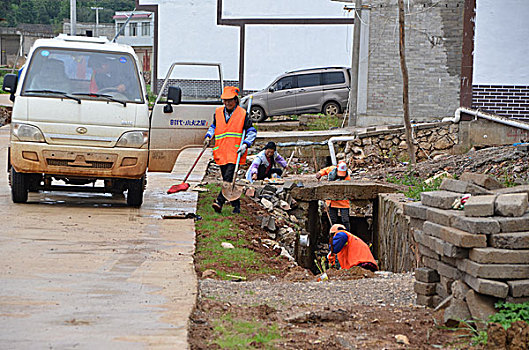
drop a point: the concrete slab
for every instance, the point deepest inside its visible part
(480, 205)
(513, 204)
(488, 287)
(439, 199)
(499, 256)
(454, 236)
(513, 240)
(494, 271)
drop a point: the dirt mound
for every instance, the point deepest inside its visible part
(354, 273)
(299, 274)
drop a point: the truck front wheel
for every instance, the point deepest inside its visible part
(19, 186)
(135, 190)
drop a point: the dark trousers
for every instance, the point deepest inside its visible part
(262, 174)
(344, 212)
(227, 172)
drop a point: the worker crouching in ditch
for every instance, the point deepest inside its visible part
(230, 123)
(337, 173)
(349, 249)
(263, 166)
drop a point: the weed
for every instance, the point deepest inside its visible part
(241, 334)
(324, 123)
(508, 179)
(415, 183)
(509, 313)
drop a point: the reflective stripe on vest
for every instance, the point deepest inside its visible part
(228, 136)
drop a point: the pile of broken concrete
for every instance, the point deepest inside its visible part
(284, 219)
(474, 257)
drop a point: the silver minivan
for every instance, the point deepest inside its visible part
(316, 90)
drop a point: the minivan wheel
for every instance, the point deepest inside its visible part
(135, 192)
(331, 109)
(19, 187)
(257, 114)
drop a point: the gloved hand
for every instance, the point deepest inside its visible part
(207, 140)
(318, 176)
(242, 149)
(331, 258)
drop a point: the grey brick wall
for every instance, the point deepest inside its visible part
(434, 32)
(505, 100)
(197, 89)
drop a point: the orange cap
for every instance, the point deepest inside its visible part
(337, 227)
(229, 92)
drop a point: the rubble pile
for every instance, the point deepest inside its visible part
(471, 258)
(509, 164)
(286, 217)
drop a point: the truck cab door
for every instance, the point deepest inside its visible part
(176, 125)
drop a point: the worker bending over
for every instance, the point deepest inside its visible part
(228, 125)
(349, 249)
(337, 173)
(263, 165)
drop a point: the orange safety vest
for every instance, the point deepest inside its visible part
(344, 203)
(228, 136)
(354, 252)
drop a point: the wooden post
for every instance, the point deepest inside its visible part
(405, 100)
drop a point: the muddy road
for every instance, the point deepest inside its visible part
(85, 271)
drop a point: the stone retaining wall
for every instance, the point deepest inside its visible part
(431, 139)
(471, 257)
(396, 247)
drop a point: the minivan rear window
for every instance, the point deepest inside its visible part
(306, 80)
(333, 78)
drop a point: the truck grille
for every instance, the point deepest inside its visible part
(89, 164)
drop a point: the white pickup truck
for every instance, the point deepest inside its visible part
(81, 114)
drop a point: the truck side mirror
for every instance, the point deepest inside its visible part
(10, 84)
(174, 95)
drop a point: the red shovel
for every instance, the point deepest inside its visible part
(184, 186)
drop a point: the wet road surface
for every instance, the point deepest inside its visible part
(84, 271)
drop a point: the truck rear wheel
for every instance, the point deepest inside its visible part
(19, 186)
(135, 192)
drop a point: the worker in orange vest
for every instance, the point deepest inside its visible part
(349, 249)
(227, 128)
(337, 173)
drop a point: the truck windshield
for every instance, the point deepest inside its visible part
(84, 74)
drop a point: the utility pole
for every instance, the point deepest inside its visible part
(97, 20)
(353, 92)
(73, 17)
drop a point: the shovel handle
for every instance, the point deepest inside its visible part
(242, 140)
(237, 163)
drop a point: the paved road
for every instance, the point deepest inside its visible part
(5, 101)
(81, 271)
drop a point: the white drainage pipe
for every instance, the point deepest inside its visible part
(488, 116)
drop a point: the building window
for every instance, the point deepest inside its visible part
(145, 29)
(133, 29)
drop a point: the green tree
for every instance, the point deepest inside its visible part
(15, 12)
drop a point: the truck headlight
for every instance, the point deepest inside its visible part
(133, 139)
(26, 132)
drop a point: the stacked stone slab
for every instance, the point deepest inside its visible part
(472, 257)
